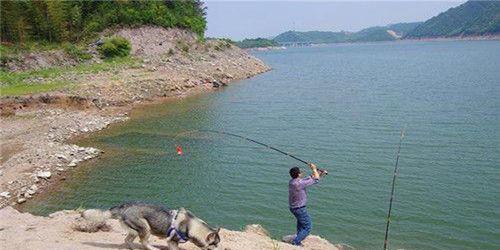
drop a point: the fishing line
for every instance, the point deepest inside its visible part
(392, 190)
(322, 171)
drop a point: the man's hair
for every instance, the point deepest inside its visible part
(294, 172)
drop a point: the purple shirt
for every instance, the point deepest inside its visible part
(297, 196)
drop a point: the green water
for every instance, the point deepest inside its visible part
(342, 107)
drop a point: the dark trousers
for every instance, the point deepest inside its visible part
(304, 224)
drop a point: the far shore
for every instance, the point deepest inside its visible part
(429, 39)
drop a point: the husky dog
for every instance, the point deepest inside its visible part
(177, 226)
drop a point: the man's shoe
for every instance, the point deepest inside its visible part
(288, 238)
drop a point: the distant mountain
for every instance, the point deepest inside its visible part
(372, 34)
(472, 18)
(256, 43)
(403, 28)
(311, 37)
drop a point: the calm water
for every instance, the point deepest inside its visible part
(341, 107)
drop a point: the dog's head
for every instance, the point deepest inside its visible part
(200, 233)
(212, 240)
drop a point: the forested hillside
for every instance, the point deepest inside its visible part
(256, 43)
(61, 21)
(372, 34)
(311, 37)
(472, 18)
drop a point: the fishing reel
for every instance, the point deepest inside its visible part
(322, 172)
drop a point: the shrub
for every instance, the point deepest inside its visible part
(170, 52)
(76, 52)
(115, 47)
(223, 44)
(183, 46)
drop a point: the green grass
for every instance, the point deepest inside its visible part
(23, 89)
(18, 83)
(18, 48)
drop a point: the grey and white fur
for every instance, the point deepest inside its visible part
(143, 220)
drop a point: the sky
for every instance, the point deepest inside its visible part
(250, 19)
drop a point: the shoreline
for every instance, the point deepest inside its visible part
(428, 39)
(60, 177)
(22, 189)
(38, 134)
(57, 231)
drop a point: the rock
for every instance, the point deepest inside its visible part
(72, 163)
(5, 194)
(57, 214)
(256, 229)
(93, 151)
(288, 238)
(44, 174)
(60, 169)
(61, 156)
(21, 200)
(32, 190)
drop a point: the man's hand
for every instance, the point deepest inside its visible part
(314, 169)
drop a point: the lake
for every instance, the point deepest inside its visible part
(341, 107)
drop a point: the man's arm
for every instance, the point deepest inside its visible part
(315, 173)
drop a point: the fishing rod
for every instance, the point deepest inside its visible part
(321, 171)
(392, 190)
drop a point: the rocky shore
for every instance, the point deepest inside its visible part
(57, 231)
(169, 63)
(35, 131)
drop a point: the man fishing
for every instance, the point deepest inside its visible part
(297, 196)
(297, 199)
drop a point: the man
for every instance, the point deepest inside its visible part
(297, 199)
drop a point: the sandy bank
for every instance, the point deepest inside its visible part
(26, 231)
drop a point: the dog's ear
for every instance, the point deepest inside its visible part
(212, 237)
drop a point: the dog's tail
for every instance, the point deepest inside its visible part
(93, 220)
(97, 215)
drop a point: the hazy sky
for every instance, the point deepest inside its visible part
(250, 19)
